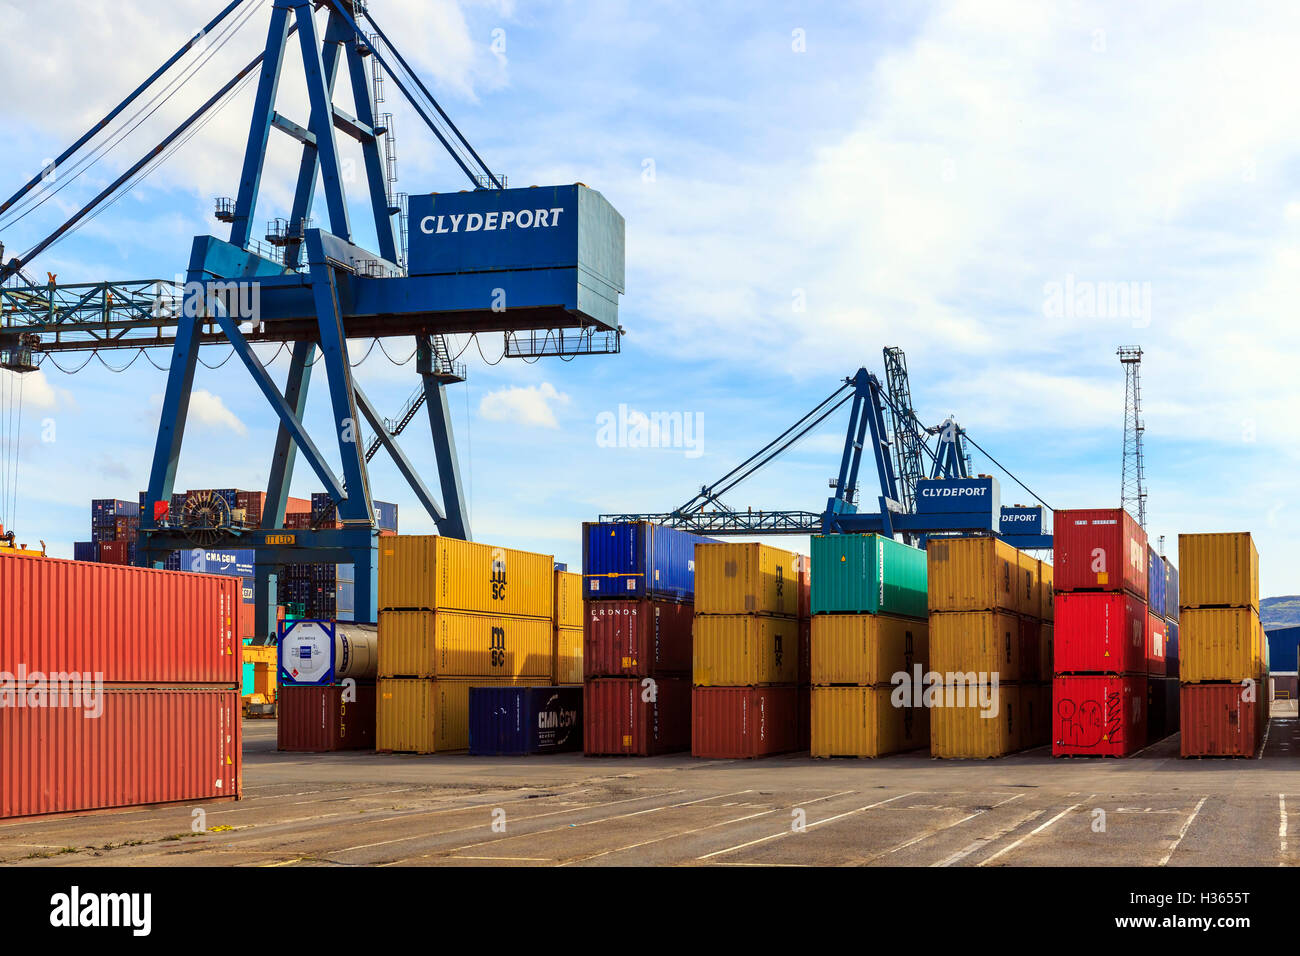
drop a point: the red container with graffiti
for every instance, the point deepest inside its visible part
(1157, 641)
(1099, 634)
(742, 722)
(1100, 549)
(316, 719)
(636, 639)
(1099, 715)
(1217, 720)
(621, 716)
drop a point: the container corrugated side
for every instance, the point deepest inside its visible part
(863, 722)
(433, 572)
(636, 716)
(1099, 715)
(524, 720)
(568, 599)
(1047, 652)
(427, 716)
(319, 719)
(740, 650)
(1046, 591)
(629, 560)
(1028, 596)
(566, 658)
(1218, 570)
(960, 729)
(1218, 721)
(1157, 641)
(637, 639)
(1155, 582)
(130, 625)
(744, 722)
(746, 578)
(866, 649)
(856, 573)
(971, 574)
(1100, 549)
(1100, 633)
(459, 644)
(147, 746)
(980, 642)
(1219, 644)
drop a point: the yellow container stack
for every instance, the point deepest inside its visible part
(566, 653)
(453, 615)
(991, 652)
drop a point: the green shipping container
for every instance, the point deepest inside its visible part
(867, 574)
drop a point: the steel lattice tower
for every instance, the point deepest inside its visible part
(1133, 490)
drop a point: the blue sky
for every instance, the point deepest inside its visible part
(919, 175)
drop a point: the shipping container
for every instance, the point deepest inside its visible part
(129, 625)
(1218, 720)
(1099, 550)
(1218, 570)
(1037, 725)
(457, 644)
(986, 643)
(805, 717)
(864, 722)
(102, 509)
(743, 722)
(435, 573)
(1029, 592)
(85, 551)
(524, 720)
(1171, 591)
(1162, 708)
(803, 568)
(1099, 715)
(1219, 644)
(745, 578)
(629, 560)
(637, 639)
(568, 599)
(972, 574)
(805, 651)
(636, 716)
(114, 552)
(1172, 667)
(146, 746)
(1100, 633)
(328, 717)
(867, 573)
(866, 649)
(1155, 582)
(324, 652)
(566, 658)
(976, 722)
(1047, 653)
(741, 650)
(1156, 645)
(427, 716)
(1031, 644)
(1046, 591)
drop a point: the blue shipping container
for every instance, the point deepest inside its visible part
(637, 559)
(1283, 648)
(386, 515)
(524, 720)
(1171, 591)
(106, 509)
(1155, 582)
(1171, 648)
(85, 551)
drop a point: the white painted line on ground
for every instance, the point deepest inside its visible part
(985, 841)
(1034, 832)
(1263, 744)
(1183, 832)
(510, 859)
(669, 836)
(786, 833)
(935, 832)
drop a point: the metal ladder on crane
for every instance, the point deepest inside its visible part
(445, 371)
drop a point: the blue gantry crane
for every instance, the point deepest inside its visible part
(917, 499)
(543, 267)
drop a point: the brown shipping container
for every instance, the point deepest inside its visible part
(866, 648)
(744, 650)
(149, 745)
(742, 722)
(636, 639)
(617, 718)
(128, 625)
(983, 642)
(1216, 720)
(312, 719)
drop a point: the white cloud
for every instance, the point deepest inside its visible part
(531, 405)
(208, 409)
(37, 392)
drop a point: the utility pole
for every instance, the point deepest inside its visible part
(1133, 490)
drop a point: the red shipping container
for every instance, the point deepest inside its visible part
(636, 638)
(1099, 634)
(149, 745)
(617, 718)
(1099, 550)
(247, 620)
(1099, 716)
(1217, 722)
(113, 552)
(130, 625)
(317, 719)
(803, 566)
(741, 722)
(805, 717)
(298, 520)
(1157, 638)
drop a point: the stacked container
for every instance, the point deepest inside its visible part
(454, 614)
(745, 701)
(1162, 674)
(868, 604)
(326, 676)
(566, 643)
(991, 636)
(638, 585)
(1102, 637)
(1224, 667)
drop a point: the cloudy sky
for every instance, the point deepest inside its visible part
(803, 184)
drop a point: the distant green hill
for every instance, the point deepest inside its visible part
(1281, 611)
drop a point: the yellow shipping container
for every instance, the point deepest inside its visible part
(863, 722)
(434, 573)
(568, 599)
(427, 716)
(1046, 592)
(1220, 644)
(1218, 570)
(744, 650)
(866, 648)
(566, 667)
(1029, 597)
(964, 731)
(980, 642)
(972, 574)
(456, 644)
(745, 578)
(1046, 652)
